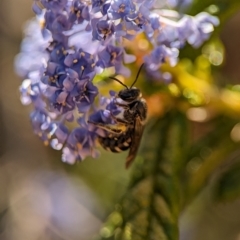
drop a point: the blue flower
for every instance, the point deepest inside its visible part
(81, 62)
(53, 133)
(104, 115)
(33, 53)
(161, 54)
(70, 42)
(54, 75)
(84, 93)
(62, 101)
(54, 5)
(121, 8)
(79, 145)
(60, 136)
(102, 29)
(57, 24)
(58, 51)
(203, 25)
(194, 30)
(111, 56)
(101, 116)
(79, 12)
(101, 6)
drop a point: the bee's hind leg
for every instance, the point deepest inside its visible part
(106, 127)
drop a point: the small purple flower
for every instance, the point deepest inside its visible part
(62, 101)
(70, 80)
(53, 133)
(139, 18)
(113, 108)
(79, 12)
(30, 91)
(57, 24)
(102, 29)
(104, 116)
(84, 93)
(121, 8)
(42, 125)
(58, 51)
(54, 5)
(168, 36)
(80, 144)
(54, 75)
(203, 25)
(61, 133)
(81, 62)
(161, 55)
(40, 121)
(33, 53)
(101, 116)
(194, 30)
(111, 56)
(101, 6)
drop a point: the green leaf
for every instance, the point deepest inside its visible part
(220, 127)
(201, 175)
(228, 185)
(151, 205)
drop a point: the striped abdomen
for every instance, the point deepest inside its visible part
(117, 143)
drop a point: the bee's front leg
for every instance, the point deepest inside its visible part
(123, 105)
(119, 120)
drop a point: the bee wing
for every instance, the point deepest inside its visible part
(136, 139)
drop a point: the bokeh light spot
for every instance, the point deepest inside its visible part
(216, 58)
(143, 44)
(198, 114)
(173, 88)
(213, 9)
(235, 133)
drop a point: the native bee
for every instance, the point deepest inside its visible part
(127, 132)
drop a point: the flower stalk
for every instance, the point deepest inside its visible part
(151, 206)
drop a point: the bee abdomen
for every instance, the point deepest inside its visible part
(116, 143)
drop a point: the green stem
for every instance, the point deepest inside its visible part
(151, 205)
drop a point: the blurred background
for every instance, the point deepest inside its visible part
(43, 198)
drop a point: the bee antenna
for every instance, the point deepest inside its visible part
(119, 81)
(137, 75)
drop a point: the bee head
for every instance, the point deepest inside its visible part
(129, 94)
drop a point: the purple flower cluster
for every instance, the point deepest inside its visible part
(71, 41)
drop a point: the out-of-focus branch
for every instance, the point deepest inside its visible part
(151, 205)
(200, 177)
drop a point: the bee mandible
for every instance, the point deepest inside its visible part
(127, 132)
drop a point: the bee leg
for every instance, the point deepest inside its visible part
(119, 120)
(105, 127)
(125, 106)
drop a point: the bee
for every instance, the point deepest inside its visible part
(127, 132)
